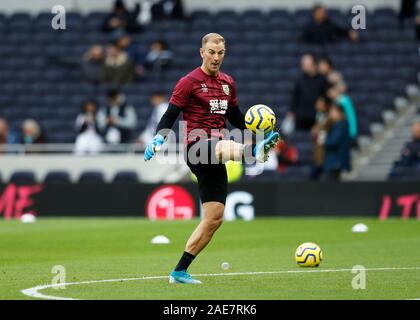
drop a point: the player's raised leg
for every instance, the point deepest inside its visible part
(230, 150)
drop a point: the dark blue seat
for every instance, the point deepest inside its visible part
(20, 16)
(22, 177)
(227, 14)
(252, 13)
(253, 24)
(126, 177)
(92, 177)
(57, 177)
(201, 15)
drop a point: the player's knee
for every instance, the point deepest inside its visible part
(228, 150)
(214, 223)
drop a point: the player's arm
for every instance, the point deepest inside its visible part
(234, 114)
(236, 117)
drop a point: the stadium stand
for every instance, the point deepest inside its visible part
(92, 177)
(57, 177)
(126, 177)
(34, 84)
(23, 177)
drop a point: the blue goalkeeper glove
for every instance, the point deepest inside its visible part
(153, 146)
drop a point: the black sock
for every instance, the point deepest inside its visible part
(185, 261)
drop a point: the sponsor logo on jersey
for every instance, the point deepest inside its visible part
(225, 89)
(218, 106)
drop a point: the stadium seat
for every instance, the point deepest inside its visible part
(22, 177)
(92, 177)
(126, 177)
(57, 177)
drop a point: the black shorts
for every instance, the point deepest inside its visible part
(211, 176)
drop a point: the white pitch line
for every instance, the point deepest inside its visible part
(34, 291)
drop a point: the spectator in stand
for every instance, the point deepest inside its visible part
(411, 153)
(321, 30)
(121, 19)
(318, 133)
(89, 140)
(408, 9)
(337, 145)
(336, 91)
(159, 57)
(343, 100)
(7, 136)
(309, 86)
(93, 63)
(334, 77)
(117, 119)
(118, 68)
(135, 53)
(168, 9)
(32, 132)
(160, 104)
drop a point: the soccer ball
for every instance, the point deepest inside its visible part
(308, 254)
(260, 118)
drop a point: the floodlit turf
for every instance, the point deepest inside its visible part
(99, 249)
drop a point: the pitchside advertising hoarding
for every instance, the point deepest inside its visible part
(246, 200)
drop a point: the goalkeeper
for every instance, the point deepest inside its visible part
(207, 97)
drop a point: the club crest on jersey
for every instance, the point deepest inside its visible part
(225, 89)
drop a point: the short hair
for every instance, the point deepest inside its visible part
(212, 37)
(113, 92)
(327, 60)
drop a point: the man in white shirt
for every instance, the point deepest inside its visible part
(160, 104)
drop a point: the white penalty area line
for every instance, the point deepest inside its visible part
(34, 292)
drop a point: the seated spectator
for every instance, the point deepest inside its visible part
(411, 153)
(334, 77)
(321, 30)
(118, 68)
(135, 53)
(159, 57)
(32, 132)
(160, 104)
(337, 145)
(308, 87)
(168, 9)
(117, 119)
(89, 140)
(7, 136)
(93, 62)
(121, 19)
(286, 155)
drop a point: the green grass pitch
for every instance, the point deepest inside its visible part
(100, 249)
